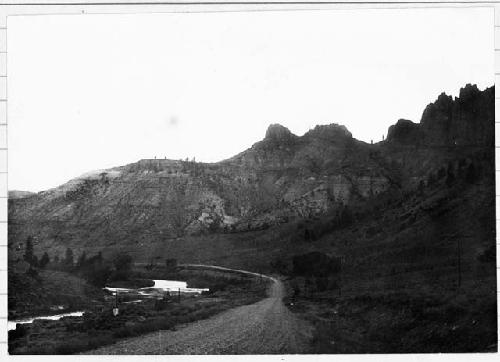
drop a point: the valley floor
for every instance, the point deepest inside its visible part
(98, 327)
(418, 274)
(266, 327)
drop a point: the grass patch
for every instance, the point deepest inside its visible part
(401, 323)
(99, 328)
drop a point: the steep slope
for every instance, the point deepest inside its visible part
(450, 129)
(275, 180)
(281, 178)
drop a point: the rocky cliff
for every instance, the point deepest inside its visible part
(282, 177)
(466, 121)
(450, 130)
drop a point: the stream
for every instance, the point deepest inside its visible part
(158, 290)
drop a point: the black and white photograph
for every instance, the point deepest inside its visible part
(280, 182)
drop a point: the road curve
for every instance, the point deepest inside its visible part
(265, 327)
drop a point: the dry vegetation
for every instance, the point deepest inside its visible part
(98, 327)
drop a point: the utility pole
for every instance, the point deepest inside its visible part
(340, 278)
(459, 262)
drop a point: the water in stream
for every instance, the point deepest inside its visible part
(157, 290)
(12, 324)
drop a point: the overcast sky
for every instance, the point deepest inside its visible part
(90, 92)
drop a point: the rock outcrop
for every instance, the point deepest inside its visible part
(279, 134)
(404, 132)
(282, 177)
(466, 121)
(449, 129)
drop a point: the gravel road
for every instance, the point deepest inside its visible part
(266, 327)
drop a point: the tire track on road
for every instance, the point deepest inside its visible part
(265, 327)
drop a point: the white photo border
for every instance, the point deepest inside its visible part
(10, 8)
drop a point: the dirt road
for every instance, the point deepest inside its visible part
(266, 327)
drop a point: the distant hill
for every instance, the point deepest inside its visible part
(16, 194)
(282, 178)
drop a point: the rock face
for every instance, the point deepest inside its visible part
(331, 132)
(279, 134)
(449, 129)
(467, 120)
(284, 176)
(404, 132)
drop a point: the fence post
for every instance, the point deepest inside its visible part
(459, 252)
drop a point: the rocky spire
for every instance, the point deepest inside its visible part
(278, 133)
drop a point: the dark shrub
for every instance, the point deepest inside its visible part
(171, 264)
(322, 283)
(32, 272)
(123, 266)
(280, 266)
(68, 259)
(28, 253)
(44, 260)
(97, 274)
(315, 264)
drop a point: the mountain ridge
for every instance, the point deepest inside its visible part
(281, 177)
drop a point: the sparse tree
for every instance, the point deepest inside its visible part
(346, 217)
(98, 275)
(170, 264)
(82, 260)
(34, 261)
(307, 235)
(123, 266)
(99, 258)
(68, 260)
(32, 272)
(28, 252)
(44, 260)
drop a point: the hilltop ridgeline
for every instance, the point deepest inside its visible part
(280, 178)
(463, 121)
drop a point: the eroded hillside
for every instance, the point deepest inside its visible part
(282, 178)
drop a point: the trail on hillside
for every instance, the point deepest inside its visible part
(265, 327)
